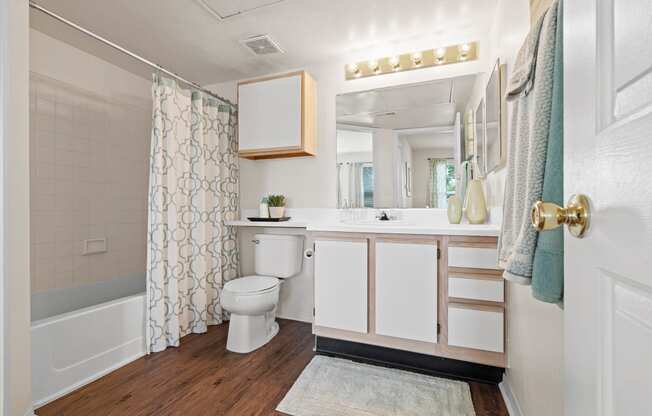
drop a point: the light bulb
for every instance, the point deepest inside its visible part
(373, 65)
(464, 51)
(395, 62)
(353, 68)
(440, 54)
(417, 58)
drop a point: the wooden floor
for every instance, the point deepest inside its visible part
(202, 378)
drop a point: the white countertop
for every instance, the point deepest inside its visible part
(491, 230)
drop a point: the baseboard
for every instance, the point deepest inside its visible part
(509, 398)
(88, 380)
(410, 361)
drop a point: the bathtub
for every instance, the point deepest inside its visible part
(73, 348)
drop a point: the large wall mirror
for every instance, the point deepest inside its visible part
(400, 147)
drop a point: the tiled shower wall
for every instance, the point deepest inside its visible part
(89, 169)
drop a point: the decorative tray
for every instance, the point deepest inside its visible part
(259, 219)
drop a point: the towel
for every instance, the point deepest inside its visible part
(548, 272)
(530, 91)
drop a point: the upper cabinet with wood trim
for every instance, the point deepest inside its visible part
(276, 116)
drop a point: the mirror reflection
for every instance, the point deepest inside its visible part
(400, 147)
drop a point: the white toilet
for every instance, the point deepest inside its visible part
(252, 300)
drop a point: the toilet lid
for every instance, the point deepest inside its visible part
(251, 284)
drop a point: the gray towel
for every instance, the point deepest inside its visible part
(530, 90)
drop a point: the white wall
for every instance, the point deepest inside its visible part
(535, 329)
(15, 289)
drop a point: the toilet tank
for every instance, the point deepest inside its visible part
(278, 255)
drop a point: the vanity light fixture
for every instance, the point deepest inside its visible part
(443, 55)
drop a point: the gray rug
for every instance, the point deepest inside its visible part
(335, 387)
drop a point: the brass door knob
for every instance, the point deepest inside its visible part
(548, 216)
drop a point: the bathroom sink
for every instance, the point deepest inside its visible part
(376, 222)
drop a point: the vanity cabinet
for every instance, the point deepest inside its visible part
(341, 290)
(406, 289)
(276, 116)
(437, 295)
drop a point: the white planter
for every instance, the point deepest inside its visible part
(276, 212)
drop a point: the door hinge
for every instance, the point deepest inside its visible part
(438, 329)
(313, 312)
(438, 253)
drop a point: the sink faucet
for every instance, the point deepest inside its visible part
(383, 216)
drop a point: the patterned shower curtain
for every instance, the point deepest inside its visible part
(193, 190)
(436, 191)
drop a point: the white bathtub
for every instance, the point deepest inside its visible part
(72, 349)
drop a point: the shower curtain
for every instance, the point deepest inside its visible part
(436, 192)
(349, 185)
(193, 190)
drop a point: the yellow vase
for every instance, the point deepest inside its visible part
(454, 210)
(476, 206)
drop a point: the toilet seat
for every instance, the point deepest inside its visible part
(251, 285)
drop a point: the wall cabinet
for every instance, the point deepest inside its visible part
(341, 284)
(406, 290)
(276, 116)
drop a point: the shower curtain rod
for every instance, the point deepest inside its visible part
(127, 52)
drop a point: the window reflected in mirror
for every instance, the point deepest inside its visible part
(400, 147)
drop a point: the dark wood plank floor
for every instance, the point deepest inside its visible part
(202, 378)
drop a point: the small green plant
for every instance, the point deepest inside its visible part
(276, 200)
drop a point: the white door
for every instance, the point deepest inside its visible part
(406, 290)
(608, 157)
(341, 284)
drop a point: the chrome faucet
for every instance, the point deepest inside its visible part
(383, 216)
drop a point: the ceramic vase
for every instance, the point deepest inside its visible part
(454, 210)
(476, 206)
(276, 212)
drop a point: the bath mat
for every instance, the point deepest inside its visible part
(335, 387)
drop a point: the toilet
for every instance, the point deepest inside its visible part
(252, 300)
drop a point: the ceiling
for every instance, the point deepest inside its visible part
(427, 104)
(203, 44)
(436, 139)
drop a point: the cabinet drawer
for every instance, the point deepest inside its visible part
(476, 327)
(479, 289)
(473, 257)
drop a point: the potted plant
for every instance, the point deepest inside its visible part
(276, 205)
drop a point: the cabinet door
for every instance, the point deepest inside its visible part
(269, 114)
(406, 290)
(341, 284)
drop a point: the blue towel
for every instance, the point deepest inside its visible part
(548, 268)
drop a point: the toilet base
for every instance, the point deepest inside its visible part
(250, 332)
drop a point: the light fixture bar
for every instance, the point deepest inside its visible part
(445, 55)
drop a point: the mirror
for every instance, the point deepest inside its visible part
(480, 138)
(399, 147)
(495, 140)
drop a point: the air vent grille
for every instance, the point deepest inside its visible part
(262, 45)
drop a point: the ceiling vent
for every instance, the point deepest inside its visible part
(227, 9)
(262, 45)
